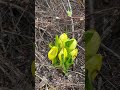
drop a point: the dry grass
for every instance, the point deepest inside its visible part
(47, 26)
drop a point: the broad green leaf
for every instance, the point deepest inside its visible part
(93, 65)
(88, 35)
(88, 82)
(92, 43)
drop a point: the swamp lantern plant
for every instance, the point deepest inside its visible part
(63, 52)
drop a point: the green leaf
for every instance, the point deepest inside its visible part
(55, 62)
(62, 60)
(93, 65)
(92, 43)
(68, 43)
(63, 65)
(69, 62)
(88, 82)
(50, 45)
(88, 36)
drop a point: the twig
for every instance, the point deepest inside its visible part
(115, 54)
(72, 26)
(44, 80)
(108, 81)
(77, 73)
(64, 6)
(101, 11)
(19, 34)
(81, 47)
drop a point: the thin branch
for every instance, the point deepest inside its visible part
(115, 54)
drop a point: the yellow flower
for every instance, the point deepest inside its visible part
(64, 52)
(74, 53)
(62, 39)
(73, 44)
(53, 53)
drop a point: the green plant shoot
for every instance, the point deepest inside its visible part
(69, 11)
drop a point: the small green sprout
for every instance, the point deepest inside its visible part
(63, 52)
(69, 13)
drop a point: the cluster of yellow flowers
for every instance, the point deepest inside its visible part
(63, 52)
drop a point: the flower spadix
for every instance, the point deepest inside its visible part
(64, 53)
(73, 44)
(53, 53)
(74, 53)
